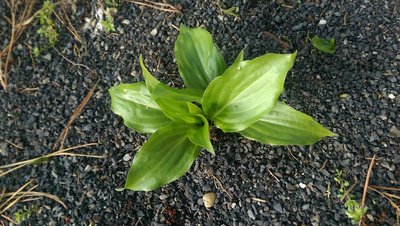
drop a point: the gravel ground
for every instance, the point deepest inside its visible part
(290, 184)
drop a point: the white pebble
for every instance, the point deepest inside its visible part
(302, 185)
(153, 32)
(391, 96)
(127, 157)
(322, 22)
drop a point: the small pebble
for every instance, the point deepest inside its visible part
(153, 32)
(127, 157)
(209, 199)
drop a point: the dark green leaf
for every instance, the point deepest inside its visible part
(165, 157)
(199, 60)
(286, 126)
(326, 46)
(132, 102)
(200, 135)
(246, 91)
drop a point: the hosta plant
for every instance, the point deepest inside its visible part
(242, 98)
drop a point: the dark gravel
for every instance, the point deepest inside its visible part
(288, 179)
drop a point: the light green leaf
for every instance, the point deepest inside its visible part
(165, 157)
(286, 126)
(188, 95)
(151, 81)
(132, 102)
(159, 89)
(178, 111)
(326, 46)
(199, 60)
(246, 91)
(201, 135)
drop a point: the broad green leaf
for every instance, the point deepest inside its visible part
(188, 95)
(178, 111)
(201, 135)
(165, 157)
(286, 126)
(133, 103)
(159, 89)
(326, 46)
(199, 60)
(246, 91)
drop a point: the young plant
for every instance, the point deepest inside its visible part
(324, 45)
(47, 29)
(354, 210)
(25, 213)
(108, 24)
(242, 98)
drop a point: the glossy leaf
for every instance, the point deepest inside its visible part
(286, 126)
(165, 157)
(178, 111)
(199, 60)
(132, 102)
(158, 89)
(246, 91)
(326, 46)
(188, 95)
(201, 135)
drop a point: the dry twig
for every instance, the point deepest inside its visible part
(371, 165)
(156, 5)
(284, 44)
(218, 184)
(20, 19)
(17, 165)
(77, 112)
(19, 196)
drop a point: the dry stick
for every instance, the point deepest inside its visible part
(323, 165)
(70, 27)
(77, 112)
(73, 63)
(16, 31)
(155, 5)
(219, 183)
(15, 201)
(8, 218)
(14, 194)
(21, 164)
(277, 39)
(384, 188)
(41, 194)
(367, 183)
(14, 145)
(269, 171)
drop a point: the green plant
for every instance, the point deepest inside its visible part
(241, 98)
(47, 29)
(354, 209)
(324, 45)
(108, 23)
(343, 184)
(25, 213)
